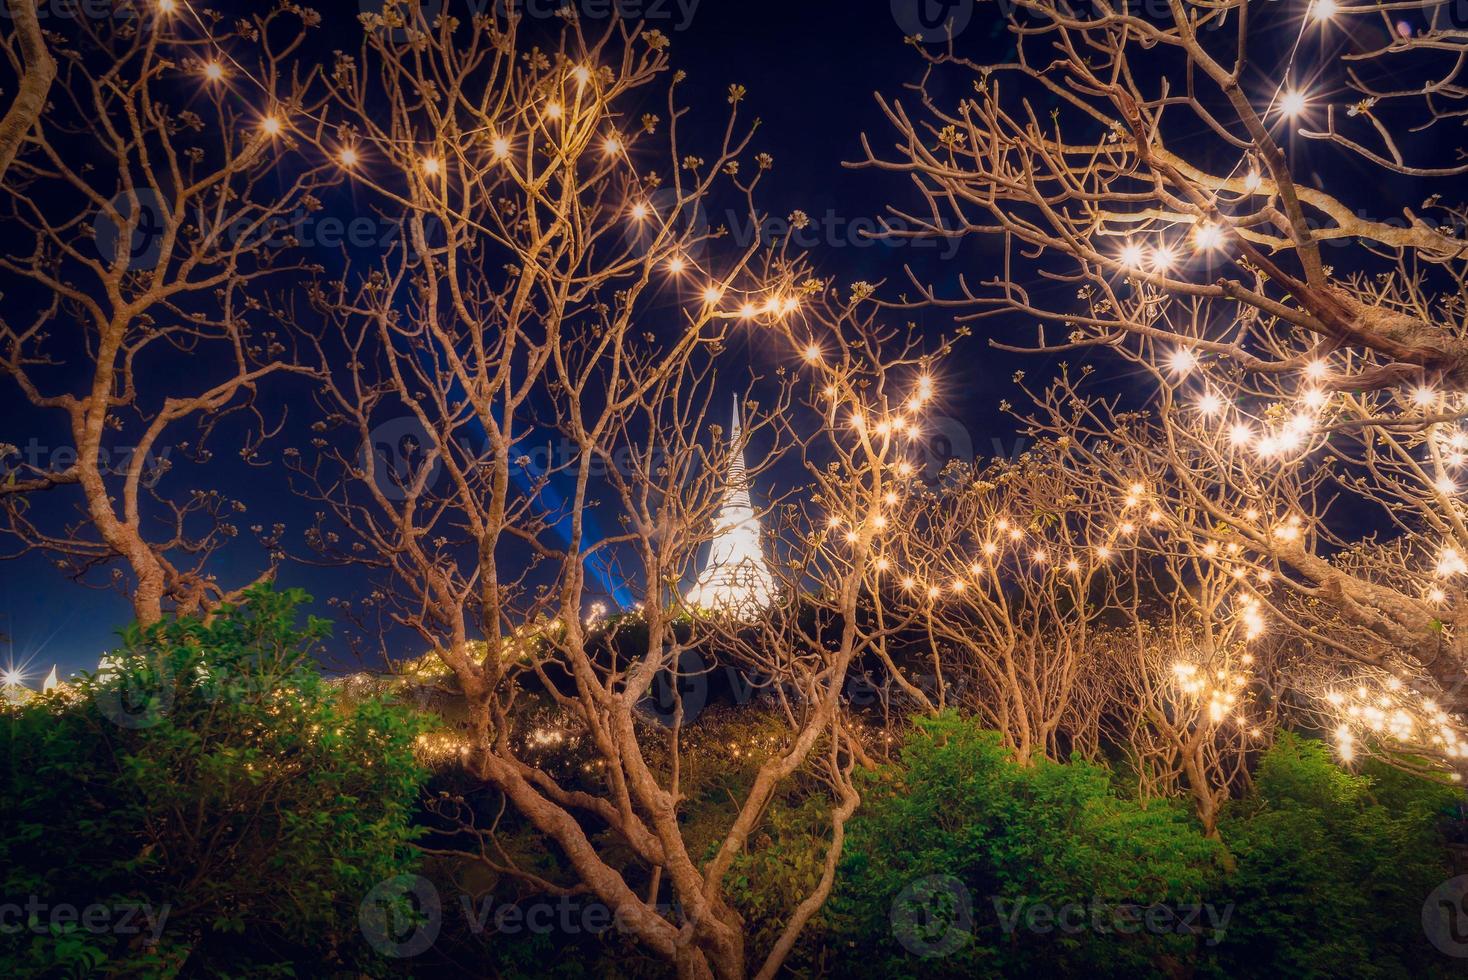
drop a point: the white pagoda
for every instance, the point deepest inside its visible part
(734, 578)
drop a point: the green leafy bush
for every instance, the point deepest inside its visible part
(963, 863)
(1332, 869)
(213, 778)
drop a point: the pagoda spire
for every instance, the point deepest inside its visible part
(735, 577)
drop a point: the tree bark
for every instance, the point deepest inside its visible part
(35, 82)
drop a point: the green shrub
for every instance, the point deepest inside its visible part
(959, 823)
(1332, 869)
(212, 776)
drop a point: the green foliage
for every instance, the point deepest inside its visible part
(213, 777)
(958, 811)
(1332, 868)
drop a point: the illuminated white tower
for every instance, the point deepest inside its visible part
(735, 577)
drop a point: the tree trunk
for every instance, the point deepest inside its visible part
(35, 82)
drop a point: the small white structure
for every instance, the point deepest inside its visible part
(735, 578)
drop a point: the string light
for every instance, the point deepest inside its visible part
(1210, 404)
(1293, 103)
(712, 294)
(348, 157)
(1182, 360)
(1323, 10)
(553, 110)
(676, 264)
(612, 146)
(1131, 256)
(213, 71)
(639, 211)
(1208, 236)
(431, 166)
(270, 125)
(500, 147)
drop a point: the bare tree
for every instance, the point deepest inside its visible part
(1151, 176)
(997, 566)
(148, 216)
(524, 420)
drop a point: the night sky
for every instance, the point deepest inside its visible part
(811, 68)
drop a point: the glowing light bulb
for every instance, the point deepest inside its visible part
(1314, 398)
(12, 678)
(432, 166)
(1210, 404)
(1293, 103)
(1103, 552)
(1182, 360)
(213, 71)
(1208, 236)
(500, 147)
(1131, 256)
(1323, 10)
(1423, 397)
(883, 564)
(712, 294)
(582, 74)
(1435, 594)
(812, 354)
(1450, 562)
(1445, 485)
(553, 110)
(639, 211)
(1163, 258)
(1252, 180)
(348, 157)
(270, 125)
(1316, 369)
(612, 146)
(676, 264)
(1073, 566)
(167, 6)
(789, 304)
(747, 311)
(1240, 435)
